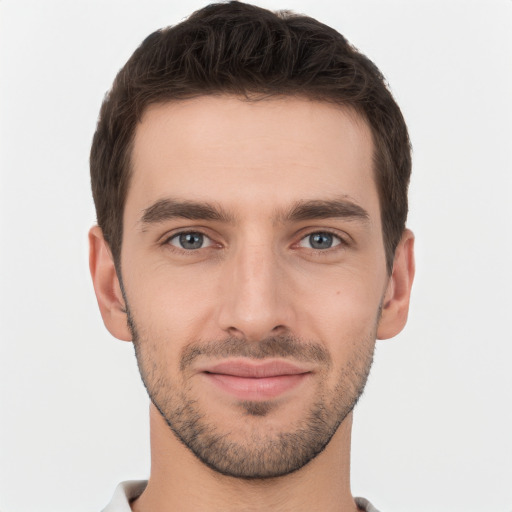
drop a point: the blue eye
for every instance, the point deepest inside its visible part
(321, 240)
(190, 241)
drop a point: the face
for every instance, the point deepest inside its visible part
(254, 274)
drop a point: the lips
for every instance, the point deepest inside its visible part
(255, 381)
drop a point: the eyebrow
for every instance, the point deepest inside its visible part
(325, 209)
(168, 209)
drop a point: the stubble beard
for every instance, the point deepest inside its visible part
(262, 455)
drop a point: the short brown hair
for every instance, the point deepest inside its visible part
(240, 49)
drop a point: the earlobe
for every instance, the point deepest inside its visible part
(106, 286)
(395, 305)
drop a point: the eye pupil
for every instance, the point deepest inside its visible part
(321, 240)
(191, 240)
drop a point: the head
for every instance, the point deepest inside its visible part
(244, 50)
(250, 177)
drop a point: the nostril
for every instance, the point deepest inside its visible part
(233, 331)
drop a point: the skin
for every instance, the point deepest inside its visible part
(257, 276)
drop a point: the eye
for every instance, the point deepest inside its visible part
(320, 240)
(190, 241)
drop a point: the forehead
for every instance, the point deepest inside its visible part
(251, 154)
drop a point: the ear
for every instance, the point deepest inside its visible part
(395, 305)
(107, 287)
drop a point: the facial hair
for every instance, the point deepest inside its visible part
(262, 454)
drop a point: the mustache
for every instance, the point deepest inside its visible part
(274, 346)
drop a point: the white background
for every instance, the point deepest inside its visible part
(434, 429)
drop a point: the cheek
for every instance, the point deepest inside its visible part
(346, 326)
(341, 311)
(170, 306)
(330, 304)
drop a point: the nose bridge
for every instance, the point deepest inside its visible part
(254, 301)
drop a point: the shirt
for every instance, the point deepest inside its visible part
(128, 491)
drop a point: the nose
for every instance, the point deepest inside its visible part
(254, 301)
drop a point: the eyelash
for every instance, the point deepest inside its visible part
(342, 242)
(186, 252)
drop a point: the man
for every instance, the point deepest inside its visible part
(250, 174)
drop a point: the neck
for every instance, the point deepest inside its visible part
(179, 481)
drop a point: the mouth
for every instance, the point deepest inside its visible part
(247, 380)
